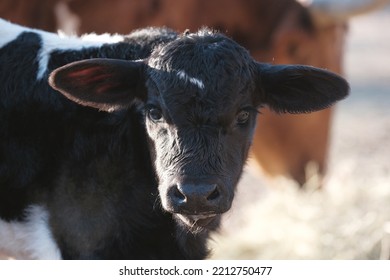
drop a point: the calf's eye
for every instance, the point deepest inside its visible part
(242, 117)
(155, 114)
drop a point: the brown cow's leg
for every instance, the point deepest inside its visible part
(286, 144)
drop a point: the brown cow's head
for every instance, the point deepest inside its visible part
(201, 93)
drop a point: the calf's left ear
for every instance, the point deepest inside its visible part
(298, 88)
(105, 84)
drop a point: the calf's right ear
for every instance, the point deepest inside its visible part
(105, 84)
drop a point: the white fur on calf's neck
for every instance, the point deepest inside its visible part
(51, 42)
(29, 239)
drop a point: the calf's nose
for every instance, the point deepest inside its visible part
(188, 198)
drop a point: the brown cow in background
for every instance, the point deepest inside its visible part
(274, 31)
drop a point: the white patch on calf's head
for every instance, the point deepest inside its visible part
(195, 81)
(29, 239)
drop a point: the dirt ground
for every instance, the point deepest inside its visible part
(350, 217)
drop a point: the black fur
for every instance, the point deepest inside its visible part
(107, 179)
(90, 169)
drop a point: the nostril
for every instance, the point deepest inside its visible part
(214, 195)
(178, 194)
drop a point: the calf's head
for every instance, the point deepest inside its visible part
(201, 93)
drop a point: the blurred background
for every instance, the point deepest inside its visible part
(317, 186)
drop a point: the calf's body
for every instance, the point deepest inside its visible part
(88, 171)
(140, 154)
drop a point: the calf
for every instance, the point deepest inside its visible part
(140, 154)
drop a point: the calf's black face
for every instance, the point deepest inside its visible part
(200, 115)
(200, 95)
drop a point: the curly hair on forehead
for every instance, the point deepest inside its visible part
(205, 48)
